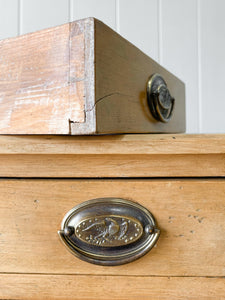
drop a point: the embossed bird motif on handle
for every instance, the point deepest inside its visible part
(107, 228)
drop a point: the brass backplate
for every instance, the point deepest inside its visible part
(109, 231)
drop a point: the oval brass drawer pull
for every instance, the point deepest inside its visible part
(109, 231)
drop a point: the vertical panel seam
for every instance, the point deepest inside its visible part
(199, 67)
(19, 16)
(117, 15)
(160, 41)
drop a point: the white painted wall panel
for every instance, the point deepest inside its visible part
(212, 63)
(185, 36)
(39, 14)
(179, 51)
(8, 18)
(138, 23)
(104, 10)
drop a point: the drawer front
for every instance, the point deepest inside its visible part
(189, 213)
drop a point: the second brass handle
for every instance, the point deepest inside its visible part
(160, 102)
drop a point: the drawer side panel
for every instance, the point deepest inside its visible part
(42, 81)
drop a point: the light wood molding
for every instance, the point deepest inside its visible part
(113, 156)
(71, 287)
(97, 166)
(133, 144)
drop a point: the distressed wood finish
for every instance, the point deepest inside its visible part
(190, 214)
(113, 156)
(26, 287)
(75, 166)
(44, 77)
(122, 73)
(80, 78)
(133, 144)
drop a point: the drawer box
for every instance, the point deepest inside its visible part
(80, 78)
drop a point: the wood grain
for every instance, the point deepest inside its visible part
(97, 166)
(80, 78)
(113, 156)
(133, 144)
(15, 286)
(122, 72)
(43, 79)
(190, 214)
